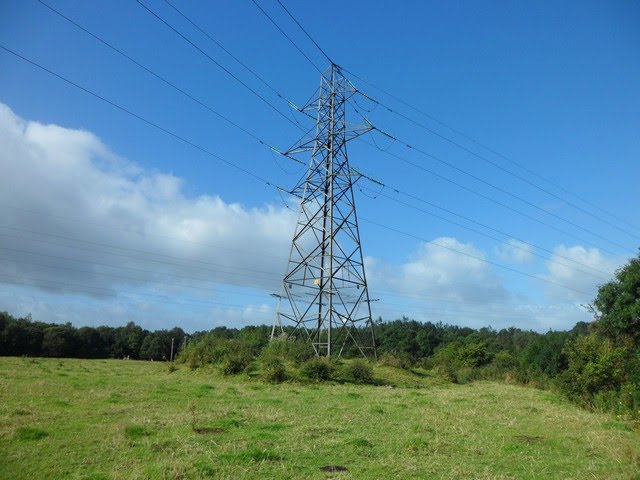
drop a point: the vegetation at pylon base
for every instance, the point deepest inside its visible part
(274, 370)
(318, 368)
(288, 349)
(235, 363)
(358, 371)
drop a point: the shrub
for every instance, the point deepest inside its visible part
(359, 371)
(213, 349)
(235, 364)
(467, 375)
(457, 354)
(504, 360)
(288, 349)
(530, 377)
(274, 370)
(446, 372)
(595, 365)
(317, 368)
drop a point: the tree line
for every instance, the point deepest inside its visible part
(25, 337)
(411, 342)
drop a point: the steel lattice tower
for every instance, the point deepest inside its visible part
(324, 292)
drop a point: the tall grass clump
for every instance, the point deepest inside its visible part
(318, 368)
(234, 355)
(288, 349)
(358, 371)
(401, 361)
(273, 370)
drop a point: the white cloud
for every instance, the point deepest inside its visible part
(83, 231)
(440, 284)
(514, 251)
(582, 269)
(79, 219)
(445, 268)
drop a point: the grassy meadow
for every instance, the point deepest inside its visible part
(115, 419)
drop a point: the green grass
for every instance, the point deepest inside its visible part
(114, 419)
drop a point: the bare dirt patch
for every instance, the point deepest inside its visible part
(529, 438)
(333, 468)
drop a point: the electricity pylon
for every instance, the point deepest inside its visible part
(324, 292)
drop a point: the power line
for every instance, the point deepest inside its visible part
(475, 257)
(500, 189)
(110, 293)
(244, 252)
(156, 75)
(492, 237)
(222, 47)
(499, 167)
(520, 272)
(128, 230)
(412, 310)
(447, 311)
(137, 270)
(306, 33)
(286, 36)
(432, 298)
(132, 250)
(395, 190)
(174, 86)
(226, 70)
(165, 262)
(359, 92)
(268, 273)
(486, 197)
(471, 139)
(176, 275)
(164, 299)
(457, 168)
(217, 43)
(232, 164)
(421, 200)
(135, 115)
(125, 277)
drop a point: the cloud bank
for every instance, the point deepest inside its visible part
(89, 237)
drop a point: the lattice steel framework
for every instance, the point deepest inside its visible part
(324, 293)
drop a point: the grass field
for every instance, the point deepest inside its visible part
(114, 419)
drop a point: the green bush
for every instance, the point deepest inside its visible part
(318, 368)
(504, 361)
(215, 350)
(446, 372)
(595, 365)
(457, 354)
(287, 349)
(531, 377)
(235, 364)
(358, 371)
(273, 370)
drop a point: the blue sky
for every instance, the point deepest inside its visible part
(552, 86)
